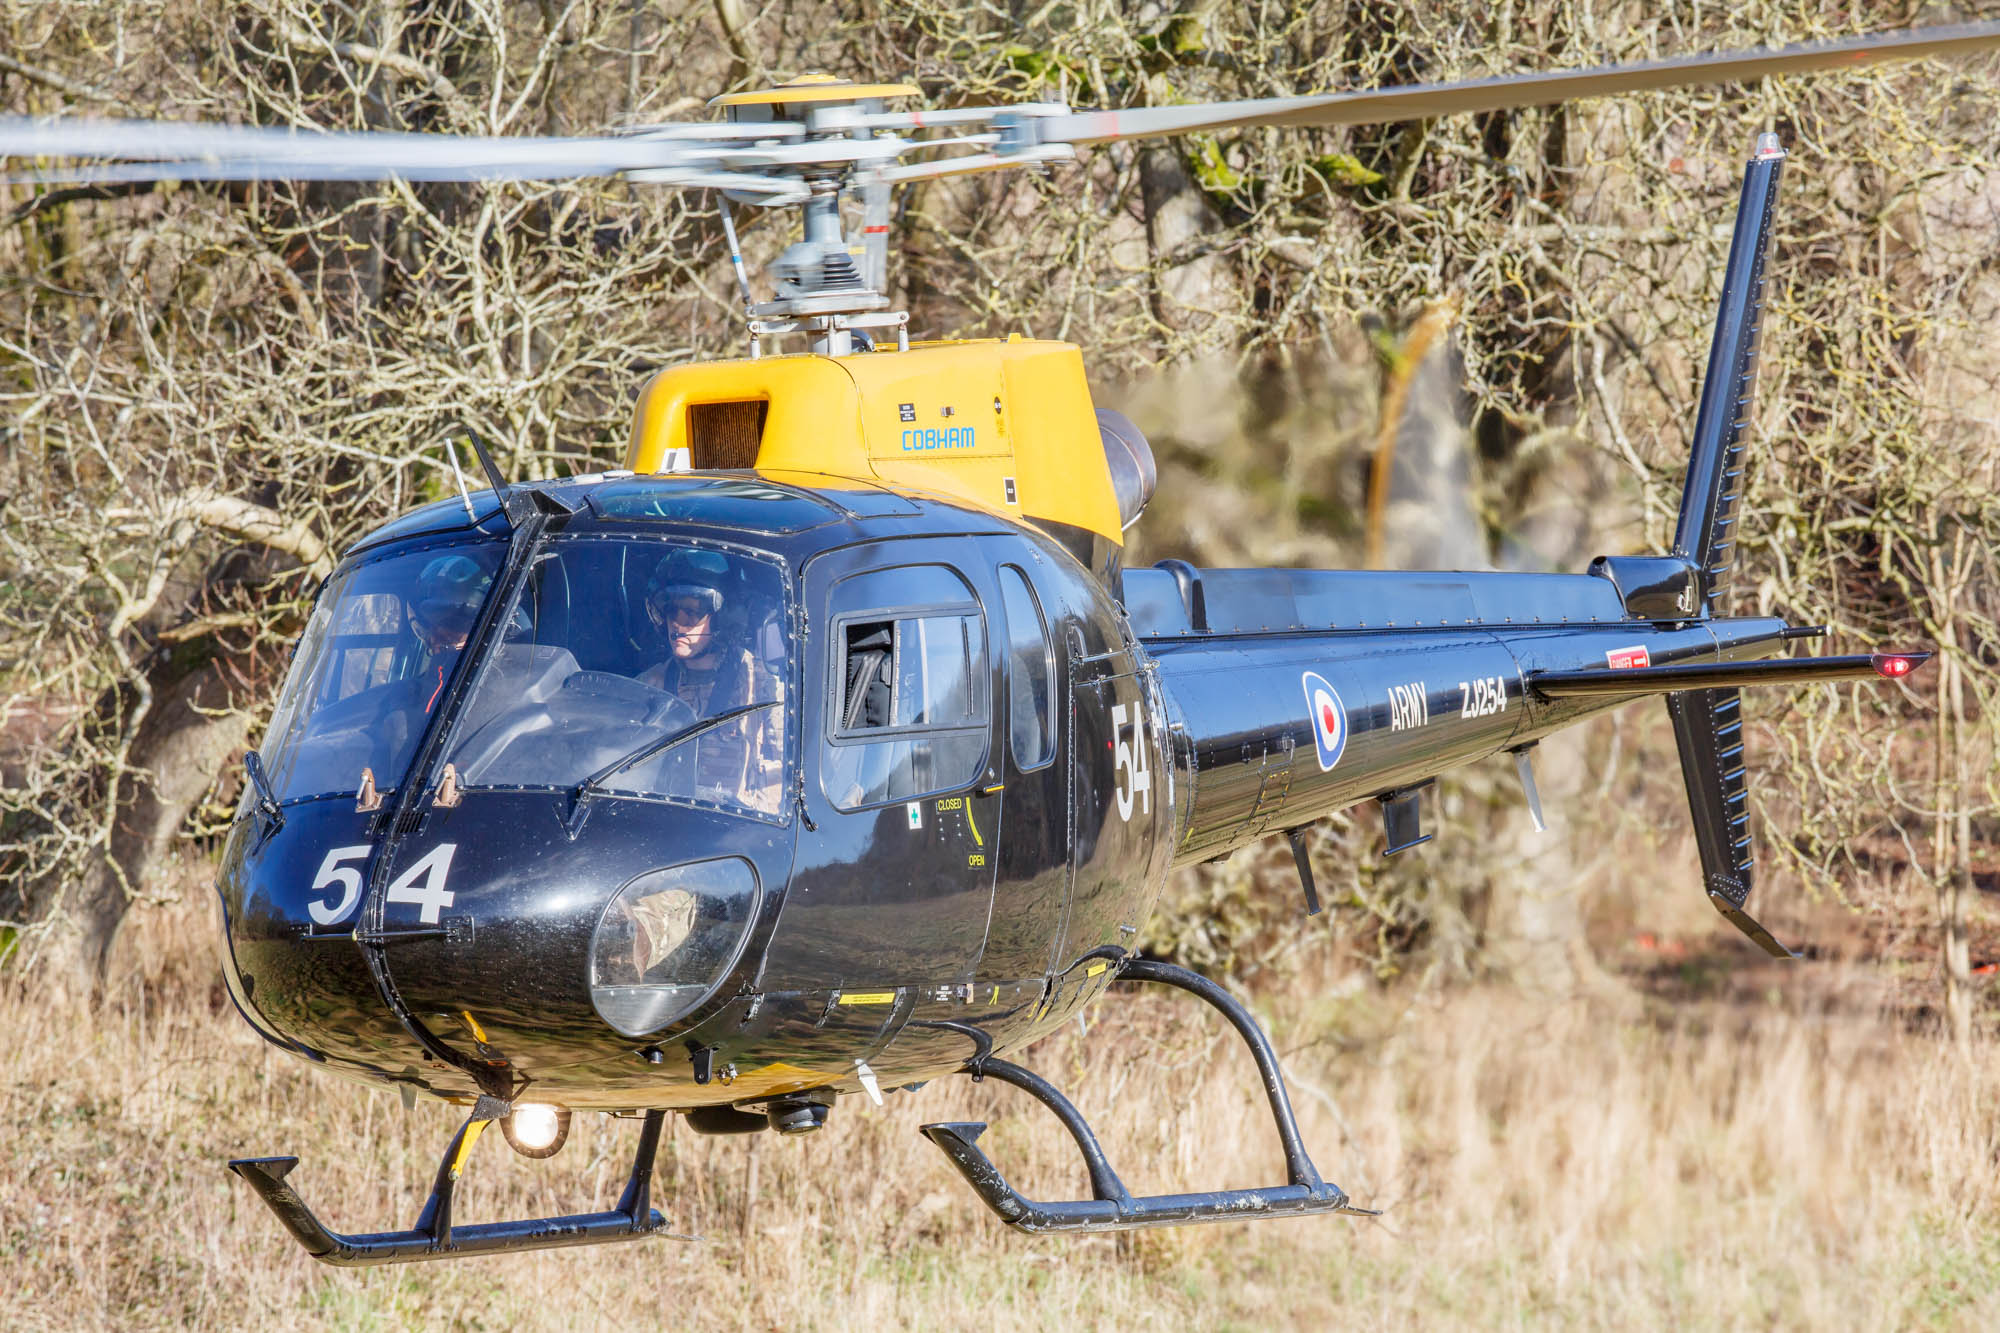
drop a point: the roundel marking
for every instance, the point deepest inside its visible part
(1329, 718)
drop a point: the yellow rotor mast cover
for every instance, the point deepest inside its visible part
(811, 88)
(1007, 425)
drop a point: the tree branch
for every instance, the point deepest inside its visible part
(48, 78)
(254, 523)
(394, 61)
(736, 31)
(41, 203)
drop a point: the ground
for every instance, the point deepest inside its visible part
(1730, 1144)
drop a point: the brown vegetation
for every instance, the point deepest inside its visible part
(1788, 1161)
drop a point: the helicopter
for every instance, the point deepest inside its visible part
(828, 747)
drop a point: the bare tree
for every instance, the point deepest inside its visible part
(209, 391)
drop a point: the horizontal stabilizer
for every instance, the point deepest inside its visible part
(1723, 675)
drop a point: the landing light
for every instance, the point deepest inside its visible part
(535, 1129)
(667, 939)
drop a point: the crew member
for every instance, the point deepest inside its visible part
(442, 613)
(711, 670)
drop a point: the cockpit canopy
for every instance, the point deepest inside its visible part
(606, 645)
(370, 667)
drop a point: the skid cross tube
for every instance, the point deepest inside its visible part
(1112, 1207)
(434, 1236)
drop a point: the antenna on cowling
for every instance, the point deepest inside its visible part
(517, 503)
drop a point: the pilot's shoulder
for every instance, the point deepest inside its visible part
(756, 672)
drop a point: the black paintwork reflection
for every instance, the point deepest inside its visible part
(1031, 894)
(1118, 817)
(523, 901)
(309, 988)
(532, 898)
(1251, 763)
(887, 897)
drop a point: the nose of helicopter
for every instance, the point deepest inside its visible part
(520, 941)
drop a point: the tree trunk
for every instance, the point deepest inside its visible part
(1185, 295)
(1953, 867)
(189, 733)
(1421, 517)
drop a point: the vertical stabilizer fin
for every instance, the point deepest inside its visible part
(1708, 725)
(1706, 534)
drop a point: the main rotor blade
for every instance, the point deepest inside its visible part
(1423, 101)
(157, 150)
(744, 158)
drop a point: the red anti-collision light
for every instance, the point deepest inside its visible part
(1889, 664)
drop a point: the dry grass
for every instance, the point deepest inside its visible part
(1787, 1164)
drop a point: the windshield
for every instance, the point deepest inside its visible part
(612, 644)
(383, 641)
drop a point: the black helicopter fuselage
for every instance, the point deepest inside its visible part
(888, 928)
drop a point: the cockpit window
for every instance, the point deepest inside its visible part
(612, 645)
(382, 644)
(1030, 673)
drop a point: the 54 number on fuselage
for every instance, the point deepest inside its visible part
(1132, 765)
(423, 884)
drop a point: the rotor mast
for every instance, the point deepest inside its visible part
(828, 283)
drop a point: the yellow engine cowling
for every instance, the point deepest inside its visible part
(1006, 425)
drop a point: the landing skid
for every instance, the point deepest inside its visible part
(1112, 1207)
(434, 1236)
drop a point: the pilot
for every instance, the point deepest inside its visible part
(442, 613)
(711, 669)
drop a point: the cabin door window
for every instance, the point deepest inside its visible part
(909, 690)
(892, 881)
(1031, 720)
